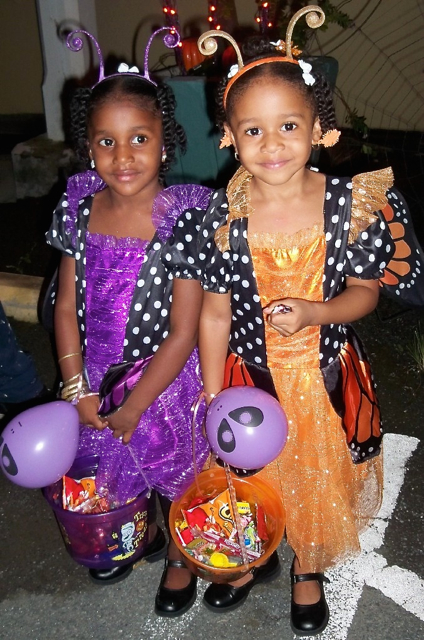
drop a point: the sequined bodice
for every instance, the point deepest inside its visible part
(112, 268)
(290, 266)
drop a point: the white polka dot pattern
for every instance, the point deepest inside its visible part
(148, 320)
(233, 270)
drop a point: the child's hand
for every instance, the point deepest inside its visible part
(87, 411)
(124, 422)
(290, 315)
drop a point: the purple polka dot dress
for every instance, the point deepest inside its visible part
(123, 300)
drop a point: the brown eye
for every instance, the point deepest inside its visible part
(254, 131)
(139, 139)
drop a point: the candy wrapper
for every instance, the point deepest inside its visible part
(81, 496)
(208, 531)
(216, 515)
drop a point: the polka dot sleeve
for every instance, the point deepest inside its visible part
(180, 253)
(217, 267)
(62, 232)
(369, 255)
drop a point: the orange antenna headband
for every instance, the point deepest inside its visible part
(207, 44)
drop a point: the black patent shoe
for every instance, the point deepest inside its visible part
(171, 603)
(224, 597)
(155, 550)
(309, 619)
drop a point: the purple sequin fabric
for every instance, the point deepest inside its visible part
(79, 186)
(112, 267)
(123, 297)
(159, 455)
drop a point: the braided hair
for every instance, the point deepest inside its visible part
(318, 96)
(159, 100)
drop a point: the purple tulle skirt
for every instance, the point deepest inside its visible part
(160, 453)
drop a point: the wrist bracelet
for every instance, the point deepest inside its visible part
(67, 382)
(72, 391)
(69, 355)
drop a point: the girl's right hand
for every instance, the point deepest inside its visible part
(87, 410)
(290, 315)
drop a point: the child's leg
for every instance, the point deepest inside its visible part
(178, 586)
(176, 578)
(305, 592)
(309, 612)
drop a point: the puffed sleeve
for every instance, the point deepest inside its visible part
(216, 265)
(368, 256)
(180, 254)
(62, 232)
(371, 245)
(181, 209)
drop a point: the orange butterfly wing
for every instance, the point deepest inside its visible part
(361, 419)
(236, 373)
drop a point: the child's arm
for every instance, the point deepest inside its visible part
(214, 335)
(168, 360)
(358, 299)
(68, 340)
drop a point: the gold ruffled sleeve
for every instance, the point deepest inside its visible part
(238, 206)
(368, 195)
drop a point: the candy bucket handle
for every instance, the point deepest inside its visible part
(195, 409)
(236, 514)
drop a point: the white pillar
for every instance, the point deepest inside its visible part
(60, 64)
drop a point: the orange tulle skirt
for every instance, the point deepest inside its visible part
(328, 500)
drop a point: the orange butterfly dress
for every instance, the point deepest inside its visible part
(328, 500)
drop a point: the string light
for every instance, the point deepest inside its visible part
(262, 16)
(171, 13)
(171, 20)
(212, 15)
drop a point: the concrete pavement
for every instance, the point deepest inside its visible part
(45, 595)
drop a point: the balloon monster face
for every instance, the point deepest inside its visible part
(246, 427)
(38, 446)
(240, 419)
(7, 459)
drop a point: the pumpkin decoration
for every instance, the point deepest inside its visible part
(190, 54)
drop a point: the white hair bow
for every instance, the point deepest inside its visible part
(124, 68)
(306, 75)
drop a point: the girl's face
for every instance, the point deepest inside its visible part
(272, 128)
(126, 146)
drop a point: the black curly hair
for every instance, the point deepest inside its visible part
(318, 96)
(159, 100)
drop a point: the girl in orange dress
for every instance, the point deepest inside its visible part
(290, 258)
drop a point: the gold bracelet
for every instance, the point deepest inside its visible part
(68, 355)
(72, 391)
(69, 380)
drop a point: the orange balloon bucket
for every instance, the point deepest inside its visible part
(251, 489)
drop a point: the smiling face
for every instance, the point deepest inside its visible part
(125, 143)
(272, 127)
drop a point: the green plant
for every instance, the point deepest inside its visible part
(301, 34)
(23, 261)
(416, 349)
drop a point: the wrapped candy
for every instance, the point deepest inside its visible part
(208, 532)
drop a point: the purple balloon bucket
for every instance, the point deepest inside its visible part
(103, 540)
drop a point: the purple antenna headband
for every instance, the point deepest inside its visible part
(170, 40)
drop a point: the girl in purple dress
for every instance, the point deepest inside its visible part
(117, 303)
